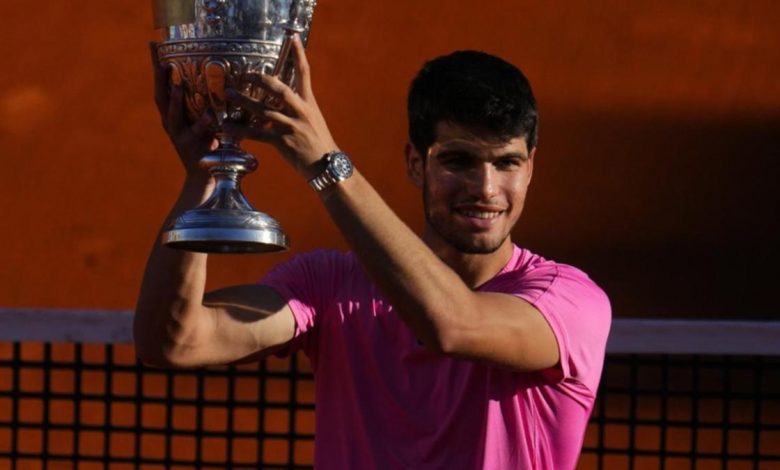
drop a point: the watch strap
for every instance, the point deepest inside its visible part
(328, 177)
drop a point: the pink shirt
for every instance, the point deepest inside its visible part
(385, 402)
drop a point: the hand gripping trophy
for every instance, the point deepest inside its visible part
(209, 46)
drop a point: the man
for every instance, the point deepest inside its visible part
(457, 350)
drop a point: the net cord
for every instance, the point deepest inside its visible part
(628, 335)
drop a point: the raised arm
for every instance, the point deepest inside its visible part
(443, 311)
(176, 323)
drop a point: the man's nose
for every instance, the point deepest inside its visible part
(484, 182)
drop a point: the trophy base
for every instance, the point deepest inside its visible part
(226, 231)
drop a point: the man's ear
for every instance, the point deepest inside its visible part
(415, 165)
(531, 156)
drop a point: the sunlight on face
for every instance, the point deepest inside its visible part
(474, 188)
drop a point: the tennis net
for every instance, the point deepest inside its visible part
(674, 394)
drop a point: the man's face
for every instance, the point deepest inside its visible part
(474, 187)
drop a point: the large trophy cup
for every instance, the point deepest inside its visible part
(208, 46)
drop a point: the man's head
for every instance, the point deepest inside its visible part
(473, 126)
(474, 90)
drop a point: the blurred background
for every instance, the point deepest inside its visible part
(657, 169)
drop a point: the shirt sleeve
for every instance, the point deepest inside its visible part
(579, 314)
(307, 283)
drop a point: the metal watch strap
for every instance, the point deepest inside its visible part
(322, 181)
(328, 177)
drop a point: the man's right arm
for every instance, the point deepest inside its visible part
(176, 323)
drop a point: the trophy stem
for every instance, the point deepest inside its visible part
(226, 222)
(228, 164)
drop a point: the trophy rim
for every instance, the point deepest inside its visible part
(209, 230)
(191, 40)
(226, 240)
(266, 49)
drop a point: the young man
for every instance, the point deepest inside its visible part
(457, 350)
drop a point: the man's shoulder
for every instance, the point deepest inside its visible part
(526, 266)
(317, 269)
(323, 256)
(530, 271)
(525, 261)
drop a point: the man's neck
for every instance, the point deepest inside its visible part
(474, 269)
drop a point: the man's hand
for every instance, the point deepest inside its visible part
(299, 130)
(191, 141)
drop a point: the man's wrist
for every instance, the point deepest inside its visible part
(198, 179)
(197, 186)
(334, 167)
(317, 166)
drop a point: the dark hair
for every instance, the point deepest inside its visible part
(473, 89)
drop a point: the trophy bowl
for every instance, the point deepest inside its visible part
(207, 47)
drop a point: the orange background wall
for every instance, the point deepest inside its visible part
(657, 170)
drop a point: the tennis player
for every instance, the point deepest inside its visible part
(456, 349)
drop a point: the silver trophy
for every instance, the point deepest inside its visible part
(208, 46)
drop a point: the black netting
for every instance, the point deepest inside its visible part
(697, 412)
(66, 405)
(94, 406)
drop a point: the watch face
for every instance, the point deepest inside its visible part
(341, 166)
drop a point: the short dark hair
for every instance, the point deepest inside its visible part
(476, 90)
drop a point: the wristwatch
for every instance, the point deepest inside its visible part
(338, 167)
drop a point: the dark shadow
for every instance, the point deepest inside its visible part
(674, 218)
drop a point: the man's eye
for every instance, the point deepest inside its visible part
(508, 163)
(456, 161)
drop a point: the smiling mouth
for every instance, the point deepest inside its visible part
(485, 215)
(479, 215)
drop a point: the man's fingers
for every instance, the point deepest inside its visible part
(250, 104)
(277, 117)
(287, 99)
(250, 132)
(302, 68)
(202, 126)
(279, 90)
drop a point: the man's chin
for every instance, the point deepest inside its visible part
(479, 250)
(465, 242)
(476, 247)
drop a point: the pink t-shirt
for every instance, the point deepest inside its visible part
(385, 402)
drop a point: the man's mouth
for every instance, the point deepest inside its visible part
(480, 216)
(486, 215)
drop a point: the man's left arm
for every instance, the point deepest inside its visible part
(442, 311)
(445, 314)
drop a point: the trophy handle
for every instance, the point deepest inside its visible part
(283, 69)
(300, 15)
